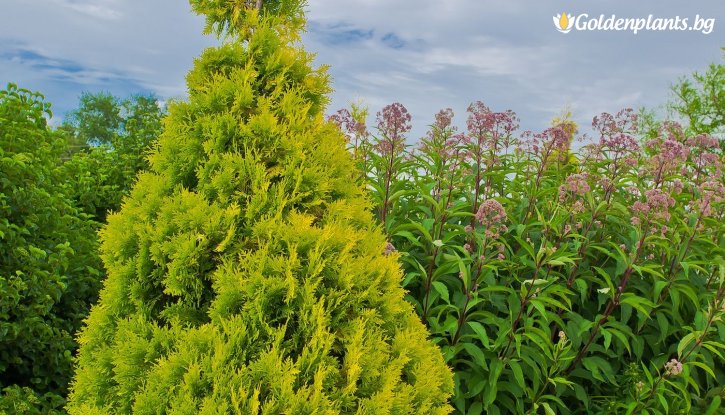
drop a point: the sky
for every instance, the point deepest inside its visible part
(425, 54)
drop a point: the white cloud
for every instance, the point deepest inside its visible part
(100, 9)
(427, 54)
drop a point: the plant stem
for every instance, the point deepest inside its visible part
(524, 303)
(464, 313)
(611, 306)
(388, 179)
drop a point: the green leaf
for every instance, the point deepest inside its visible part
(475, 409)
(478, 356)
(409, 236)
(641, 304)
(664, 403)
(689, 338)
(518, 373)
(441, 289)
(714, 405)
(598, 367)
(704, 367)
(539, 306)
(562, 381)
(493, 375)
(607, 338)
(621, 336)
(547, 409)
(480, 332)
(527, 247)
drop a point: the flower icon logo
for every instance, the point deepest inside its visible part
(564, 22)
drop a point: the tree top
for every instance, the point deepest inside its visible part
(237, 17)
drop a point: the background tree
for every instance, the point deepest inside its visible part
(700, 99)
(697, 103)
(48, 266)
(97, 120)
(109, 140)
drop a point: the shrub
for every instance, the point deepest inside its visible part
(557, 282)
(245, 272)
(48, 275)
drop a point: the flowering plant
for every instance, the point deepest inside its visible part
(554, 281)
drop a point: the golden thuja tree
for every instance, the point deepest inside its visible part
(246, 274)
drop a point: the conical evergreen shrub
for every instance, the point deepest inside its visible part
(246, 274)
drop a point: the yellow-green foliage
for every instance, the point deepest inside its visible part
(246, 274)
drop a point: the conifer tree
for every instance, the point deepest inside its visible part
(246, 274)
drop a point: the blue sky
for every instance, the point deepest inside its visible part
(425, 54)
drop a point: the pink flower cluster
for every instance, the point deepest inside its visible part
(479, 118)
(616, 140)
(670, 156)
(610, 125)
(440, 140)
(443, 119)
(389, 249)
(490, 213)
(673, 367)
(544, 144)
(486, 128)
(703, 142)
(393, 121)
(575, 183)
(633, 190)
(711, 193)
(670, 149)
(619, 144)
(672, 130)
(703, 148)
(656, 206)
(347, 124)
(659, 200)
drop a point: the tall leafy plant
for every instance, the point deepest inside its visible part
(561, 282)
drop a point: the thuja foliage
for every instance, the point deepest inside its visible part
(246, 273)
(48, 266)
(557, 281)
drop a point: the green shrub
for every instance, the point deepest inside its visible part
(245, 272)
(48, 275)
(554, 282)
